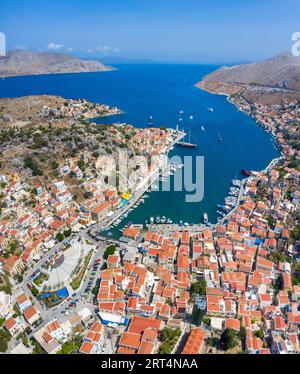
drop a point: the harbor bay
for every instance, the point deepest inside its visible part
(228, 139)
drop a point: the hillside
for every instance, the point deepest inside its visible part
(31, 63)
(265, 82)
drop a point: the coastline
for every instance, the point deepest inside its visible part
(151, 178)
(272, 163)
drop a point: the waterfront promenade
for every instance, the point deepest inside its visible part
(146, 184)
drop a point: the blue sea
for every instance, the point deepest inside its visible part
(161, 91)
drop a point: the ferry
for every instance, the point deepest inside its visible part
(205, 218)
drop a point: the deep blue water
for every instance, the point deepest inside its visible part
(161, 91)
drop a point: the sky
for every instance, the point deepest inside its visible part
(186, 31)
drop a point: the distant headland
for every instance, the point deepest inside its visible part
(18, 63)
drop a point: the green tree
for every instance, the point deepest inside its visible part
(60, 237)
(259, 334)
(110, 250)
(228, 339)
(199, 287)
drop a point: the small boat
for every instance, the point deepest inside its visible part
(205, 218)
(246, 172)
(163, 219)
(202, 128)
(236, 183)
(187, 144)
(210, 110)
(191, 117)
(150, 122)
(157, 219)
(220, 139)
(151, 220)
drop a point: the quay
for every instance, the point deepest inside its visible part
(140, 192)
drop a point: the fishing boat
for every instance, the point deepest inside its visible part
(187, 144)
(246, 172)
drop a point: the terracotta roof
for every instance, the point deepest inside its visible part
(194, 342)
(86, 347)
(130, 340)
(139, 324)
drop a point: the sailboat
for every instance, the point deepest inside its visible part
(187, 144)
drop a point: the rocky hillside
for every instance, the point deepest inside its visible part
(30, 63)
(265, 82)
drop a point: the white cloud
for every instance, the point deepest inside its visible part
(106, 49)
(20, 47)
(54, 46)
